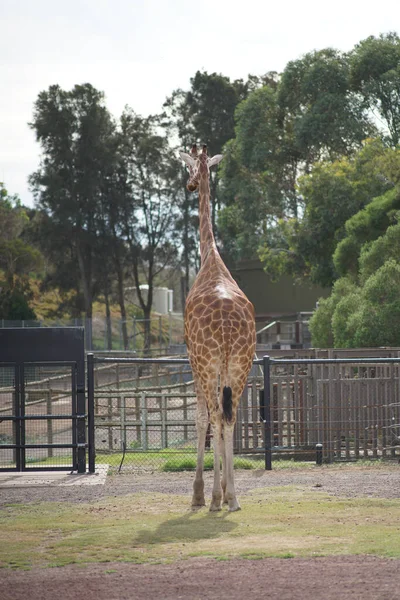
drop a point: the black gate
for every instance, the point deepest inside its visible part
(43, 411)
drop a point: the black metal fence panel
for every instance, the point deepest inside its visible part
(42, 400)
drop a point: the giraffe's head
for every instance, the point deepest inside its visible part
(199, 165)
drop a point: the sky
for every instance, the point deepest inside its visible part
(138, 51)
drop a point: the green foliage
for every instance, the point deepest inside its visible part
(14, 303)
(321, 322)
(379, 319)
(332, 193)
(374, 255)
(375, 74)
(366, 315)
(363, 227)
(17, 259)
(328, 120)
(344, 319)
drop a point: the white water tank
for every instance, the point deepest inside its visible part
(163, 299)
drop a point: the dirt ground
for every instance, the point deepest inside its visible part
(328, 578)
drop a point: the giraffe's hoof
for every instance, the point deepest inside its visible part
(234, 505)
(215, 507)
(198, 502)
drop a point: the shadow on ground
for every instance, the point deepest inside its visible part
(191, 527)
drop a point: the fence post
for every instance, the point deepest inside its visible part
(267, 413)
(164, 429)
(318, 452)
(123, 422)
(49, 408)
(90, 393)
(143, 406)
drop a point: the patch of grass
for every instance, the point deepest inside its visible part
(283, 522)
(187, 463)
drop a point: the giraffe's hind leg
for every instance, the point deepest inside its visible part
(198, 498)
(216, 499)
(236, 381)
(223, 457)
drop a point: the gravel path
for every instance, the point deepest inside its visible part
(329, 578)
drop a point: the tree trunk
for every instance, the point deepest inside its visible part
(121, 300)
(108, 317)
(147, 333)
(86, 283)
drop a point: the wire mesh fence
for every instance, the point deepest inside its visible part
(145, 415)
(106, 334)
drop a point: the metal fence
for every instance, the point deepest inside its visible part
(43, 417)
(145, 411)
(103, 334)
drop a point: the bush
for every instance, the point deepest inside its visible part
(14, 304)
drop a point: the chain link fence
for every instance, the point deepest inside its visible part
(145, 413)
(103, 334)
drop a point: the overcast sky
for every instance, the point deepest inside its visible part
(139, 51)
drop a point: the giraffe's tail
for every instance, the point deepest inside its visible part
(227, 403)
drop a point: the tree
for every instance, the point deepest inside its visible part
(364, 312)
(282, 129)
(204, 113)
(363, 227)
(17, 259)
(327, 120)
(149, 209)
(257, 184)
(332, 193)
(375, 75)
(73, 129)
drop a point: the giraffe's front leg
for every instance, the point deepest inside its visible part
(198, 498)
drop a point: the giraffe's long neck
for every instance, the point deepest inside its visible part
(207, 241)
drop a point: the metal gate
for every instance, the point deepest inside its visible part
(43, 411)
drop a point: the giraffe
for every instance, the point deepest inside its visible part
(220, 338)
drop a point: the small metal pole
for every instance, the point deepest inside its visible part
(90, 392)
(318, 458)
(267, 413)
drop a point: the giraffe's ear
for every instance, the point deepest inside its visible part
(215, 160)
(187, 159)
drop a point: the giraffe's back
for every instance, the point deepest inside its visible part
(219, 321)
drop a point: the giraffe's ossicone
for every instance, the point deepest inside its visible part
(220, 337)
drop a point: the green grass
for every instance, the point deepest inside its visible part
(188, 463)
(286, 522)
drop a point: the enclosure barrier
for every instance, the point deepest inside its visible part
(324, 409)
(43, 418)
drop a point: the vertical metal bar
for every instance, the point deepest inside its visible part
(123, 422)
(17, 414)
(21, 454)
(267, 413)
(90, 425)
(49, 408)
(78, 379)
(164, 429)
(143, 406)
(74, 412)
